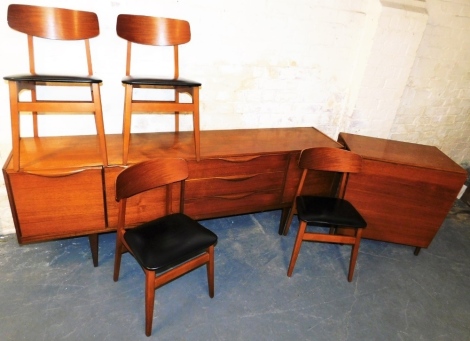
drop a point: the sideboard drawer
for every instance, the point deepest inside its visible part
(235, 184)
(57, 204)
(218, 206)
(237, 165)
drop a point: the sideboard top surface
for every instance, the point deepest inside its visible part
(404, 153)
(220, 143)
(46, 153)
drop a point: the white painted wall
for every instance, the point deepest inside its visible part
(395, 69)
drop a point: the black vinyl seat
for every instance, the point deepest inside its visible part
(164, 242)
(325, 210)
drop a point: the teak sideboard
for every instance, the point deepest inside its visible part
(63, 190)
(405, 190)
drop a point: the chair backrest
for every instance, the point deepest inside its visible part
(331, 160)
(146, 30)
(53, 23)
(152, 174)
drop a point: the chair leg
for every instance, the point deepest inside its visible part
(34, 113)
(354, 252)
(210, 271)
(117, 258)
(149, 300)
(296, 249)
(95, 89)
(126, 124)
(15, 124)
(197, 141)
(177, 113)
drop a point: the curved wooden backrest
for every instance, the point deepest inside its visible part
(53, 23)
(330, 159)
(149, 174)
(156, 31)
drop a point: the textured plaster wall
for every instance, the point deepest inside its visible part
(394, 69)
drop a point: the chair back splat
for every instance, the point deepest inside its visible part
(168, 246)
(332, 212)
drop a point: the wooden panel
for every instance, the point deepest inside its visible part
(57, 204)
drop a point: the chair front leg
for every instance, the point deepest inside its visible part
(296, 249)
(354, 253)
(210, 271)
(117, 257)
(149, 300)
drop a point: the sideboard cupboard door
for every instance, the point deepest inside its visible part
(56, 204)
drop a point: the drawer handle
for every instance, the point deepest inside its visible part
(236, 177)
(234, 196)
(55, 173)
(240, 159)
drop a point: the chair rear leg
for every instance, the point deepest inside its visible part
(149, 300)
(196, 128)
(126, 124)
(296, 249)
(96, 96)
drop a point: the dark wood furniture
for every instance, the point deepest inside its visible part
(327, 212)
(63, 190)
(404, 191)
(170, 245)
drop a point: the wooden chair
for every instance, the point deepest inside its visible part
(56, 24)
(323, 211)
(166, 247)
(157, 32)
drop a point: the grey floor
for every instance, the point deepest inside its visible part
(51, 291)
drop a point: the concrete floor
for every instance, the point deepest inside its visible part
(51, 291)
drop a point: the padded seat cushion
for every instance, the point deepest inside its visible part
(159, 81)
(161, 243)
(325, 210)
(52, 78)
